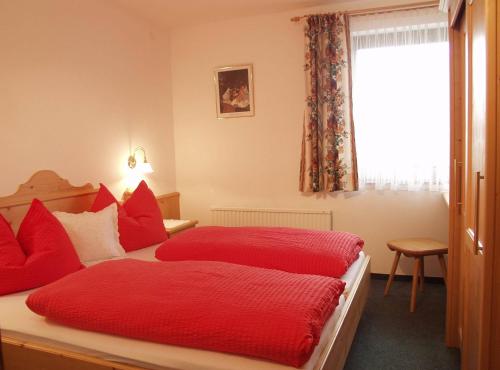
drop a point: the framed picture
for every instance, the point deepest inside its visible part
(234, 91)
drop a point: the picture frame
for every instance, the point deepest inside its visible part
(234, 91)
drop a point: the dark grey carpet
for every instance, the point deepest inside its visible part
(389, 337)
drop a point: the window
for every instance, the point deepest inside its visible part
(401, 100)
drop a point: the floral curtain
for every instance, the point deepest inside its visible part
(328, 161)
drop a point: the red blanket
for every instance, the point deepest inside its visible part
(327, 253)
(208, 305)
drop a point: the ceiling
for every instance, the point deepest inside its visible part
(175, 13)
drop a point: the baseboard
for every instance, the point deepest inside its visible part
(1, 352)
(428, 279)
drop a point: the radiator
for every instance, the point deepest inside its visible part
(306, 219)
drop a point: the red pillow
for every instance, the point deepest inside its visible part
(11, 253)
(140, 221)
(50, 255)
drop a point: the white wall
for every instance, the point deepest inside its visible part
(254, 161)
(81, 82)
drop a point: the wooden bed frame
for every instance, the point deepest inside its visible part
(59, 194)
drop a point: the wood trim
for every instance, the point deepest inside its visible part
(25, 355)
(170, 205)
(45, 185)
(454, 10)
(337, 350)
(175, 194)
(59, 195)
(454, 294)
(407, 278)
(489, 315)
(495, 303)
(55, 192)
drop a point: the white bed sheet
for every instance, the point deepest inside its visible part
(17, 321)
(352, 273)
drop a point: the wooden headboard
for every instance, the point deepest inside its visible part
(59, 195)
(55, 192)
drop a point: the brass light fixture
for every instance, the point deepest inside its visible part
(145, 166)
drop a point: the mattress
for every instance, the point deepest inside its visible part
(18, 322)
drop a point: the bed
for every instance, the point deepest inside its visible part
(30, 342)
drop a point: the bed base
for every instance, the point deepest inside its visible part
(58, 194)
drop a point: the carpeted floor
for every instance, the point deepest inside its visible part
(389, 337)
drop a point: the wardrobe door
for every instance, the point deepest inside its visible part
(459, 82)
(478, 186)
(495, 315)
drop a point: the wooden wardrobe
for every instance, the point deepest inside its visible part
(473, 310)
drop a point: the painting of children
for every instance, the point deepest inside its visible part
(234, 91)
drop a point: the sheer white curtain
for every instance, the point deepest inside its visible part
(401, 99)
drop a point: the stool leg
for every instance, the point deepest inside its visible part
(416, 270)
(422, 274)
(443, 268)
(393, 271)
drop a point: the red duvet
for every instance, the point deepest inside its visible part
(208, 305)
(328, 253)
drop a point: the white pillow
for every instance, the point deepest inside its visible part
(94, 235)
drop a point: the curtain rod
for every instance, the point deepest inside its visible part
(385, 9)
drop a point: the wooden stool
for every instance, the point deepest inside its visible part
(418, 249)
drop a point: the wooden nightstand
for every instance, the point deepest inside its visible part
(175, 226)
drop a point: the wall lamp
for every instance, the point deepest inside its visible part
(145, 166)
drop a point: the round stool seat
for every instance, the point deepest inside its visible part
(417, 247)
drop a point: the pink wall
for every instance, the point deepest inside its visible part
(83, 81)
(254, 161)
(80, 83)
